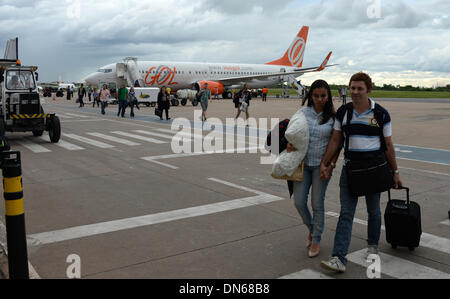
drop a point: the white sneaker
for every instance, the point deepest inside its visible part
(334, 264)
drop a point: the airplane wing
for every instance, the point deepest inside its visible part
(296, 72)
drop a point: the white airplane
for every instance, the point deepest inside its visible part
(221, 77)
(65, 85)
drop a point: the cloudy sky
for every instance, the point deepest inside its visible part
(397, 41)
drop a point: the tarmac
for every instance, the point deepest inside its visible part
(115, 194)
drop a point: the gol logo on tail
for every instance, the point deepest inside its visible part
(296, 51)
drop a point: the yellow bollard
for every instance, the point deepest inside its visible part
(15, 216)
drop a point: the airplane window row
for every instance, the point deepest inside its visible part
(205, 73)
(105, 71)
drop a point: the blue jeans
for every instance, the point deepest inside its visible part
(345, 223)
(315, 222)
(103, 105)
(122, 107)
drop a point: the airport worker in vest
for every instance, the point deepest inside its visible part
(265, 91)
(366, 127)
(123, 100)
(204, 98)
(320, 116)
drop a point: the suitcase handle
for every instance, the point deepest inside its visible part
(400, 188)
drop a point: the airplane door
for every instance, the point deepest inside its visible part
(121, 70)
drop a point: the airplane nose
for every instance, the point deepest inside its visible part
(91, 79)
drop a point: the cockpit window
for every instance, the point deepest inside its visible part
(20, 80)
(105, 71)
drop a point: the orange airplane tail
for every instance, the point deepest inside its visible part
(294, 55)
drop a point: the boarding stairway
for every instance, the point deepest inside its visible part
(129, 72)
(292, 81)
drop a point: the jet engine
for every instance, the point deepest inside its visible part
(214, 87)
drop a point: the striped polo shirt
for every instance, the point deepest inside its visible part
(364, 129)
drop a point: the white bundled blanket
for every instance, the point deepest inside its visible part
(297, 134)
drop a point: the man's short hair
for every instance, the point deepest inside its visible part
(362, 77)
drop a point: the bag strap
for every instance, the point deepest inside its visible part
(349, 110)
(378, 114)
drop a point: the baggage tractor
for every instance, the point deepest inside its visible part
(403, 222)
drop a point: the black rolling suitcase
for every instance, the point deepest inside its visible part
(403, 222)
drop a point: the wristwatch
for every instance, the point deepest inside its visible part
(396, 171)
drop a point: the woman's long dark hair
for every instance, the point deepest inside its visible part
(328, 111)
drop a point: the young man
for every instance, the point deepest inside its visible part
(205, 96)
(362, 142)
(81, 95)
(123, 100)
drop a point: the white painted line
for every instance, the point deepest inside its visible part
(446, 222)
(237, 186)
(173, 156)
(65, 116)
(88, 141)
(114, 139)
(155, 134)
(426, 171)
(171, 137)
(397, 267)
(76, 115)
(139, 137)
(162, 164)
(65, 144)
(426, 240)
(35, 148)
(180, 133)
(130, 223)
(423, 161)
(306, 274)
(427, 148)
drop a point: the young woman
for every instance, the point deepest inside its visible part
(320, 115)
(244, 97)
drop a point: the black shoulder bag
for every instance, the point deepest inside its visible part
(370, 173)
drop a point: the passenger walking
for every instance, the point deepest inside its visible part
(68, 93)
(95, 98)
(244, 102)
(164, 102)
(132, 101)
(368, 138)
(123, 100)
(205, 96)
(89, 93)
(81, 95)
(320, 115)
(103, 96)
